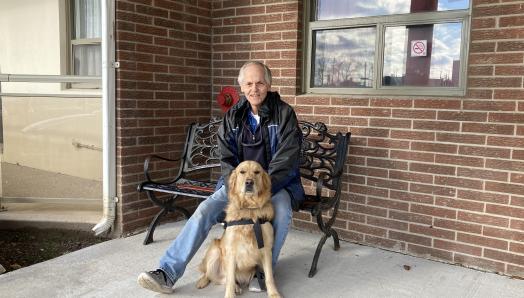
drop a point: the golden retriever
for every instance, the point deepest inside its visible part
(232, 259)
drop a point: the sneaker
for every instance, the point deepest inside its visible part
(258, 285)
(156, 281)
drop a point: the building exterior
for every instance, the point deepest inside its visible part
(438, 175)
(432, 92)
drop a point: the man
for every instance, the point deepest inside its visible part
(259, 127)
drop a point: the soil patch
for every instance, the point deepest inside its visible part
(27, 246)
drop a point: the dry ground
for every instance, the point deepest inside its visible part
(27, 246)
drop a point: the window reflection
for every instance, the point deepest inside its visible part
(439, 67)
(344, 58)
(337, 9)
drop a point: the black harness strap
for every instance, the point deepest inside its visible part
(256, 228)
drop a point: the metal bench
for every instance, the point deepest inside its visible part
(322, 160)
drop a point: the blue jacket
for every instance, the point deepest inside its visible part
(282, 138)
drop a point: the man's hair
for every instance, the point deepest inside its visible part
(267, 71)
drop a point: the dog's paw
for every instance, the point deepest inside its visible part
(238, 289)
(274, 295)
(202, 282)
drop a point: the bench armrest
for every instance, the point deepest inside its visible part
(148, 160)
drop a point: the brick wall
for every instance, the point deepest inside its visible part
(441, 178)
(163, 84)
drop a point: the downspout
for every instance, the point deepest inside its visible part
(108, 120)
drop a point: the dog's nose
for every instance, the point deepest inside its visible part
(249, 184)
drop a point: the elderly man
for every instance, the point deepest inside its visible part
(259, 127)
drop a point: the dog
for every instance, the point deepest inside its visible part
(232, 259)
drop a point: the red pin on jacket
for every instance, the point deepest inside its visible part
(227, 98)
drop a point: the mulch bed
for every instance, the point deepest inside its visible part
(27, 246)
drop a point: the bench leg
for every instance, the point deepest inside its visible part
(328, 232)
(152, 226)
(168, 206)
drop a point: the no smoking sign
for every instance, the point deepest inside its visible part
(419, 48)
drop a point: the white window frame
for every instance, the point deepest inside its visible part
(380, 23)
(71, 42)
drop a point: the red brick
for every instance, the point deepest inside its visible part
(459, 160)
(459, 204)
(387, 223)
(433, 211)
(457, 226)
(379, 122)
(388, 164)
(512, 21)
(385, 243)
(506, 117)
(490, 59)
(433, 189)
(511, 82)
(410, 217)
(408, 176)
(483, 219)
(366, 229)
(482, 47)
(509, 71)
(437, 104)
(434, 169)
(482, 241)
(509, 94)
(461, 138)
(408, 155)
(367, 210)
(482, 174)
(507, 141)
(517, 224)
(483, 23)
(505, 188)
(479, 93)
(412, 135)
(503, 256)
(517, 201)
(414, 114)
(464, 116)
(458, 247)
(491, 34)
(479, 263)
(426, 241)
(411, 197)
(431, 231)
(434, 147)
(484, 70)
(389, 204)
(430, 252)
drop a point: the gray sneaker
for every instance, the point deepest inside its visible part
(156, 281)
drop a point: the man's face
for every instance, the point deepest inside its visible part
(254, 86)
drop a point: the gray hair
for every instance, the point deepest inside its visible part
(267, 71)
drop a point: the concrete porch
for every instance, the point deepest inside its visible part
(110, 269)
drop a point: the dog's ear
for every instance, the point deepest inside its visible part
(232, 180)
(266, 181)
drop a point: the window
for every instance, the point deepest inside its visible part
(412, 47)
(85, 47)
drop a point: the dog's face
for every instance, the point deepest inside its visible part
(249, 185)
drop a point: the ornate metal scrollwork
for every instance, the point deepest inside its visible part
(319, 152)
(204, 149)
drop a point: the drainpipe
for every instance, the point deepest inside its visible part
(108, 121)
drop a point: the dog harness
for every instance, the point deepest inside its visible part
(260, 242)
(256, 228)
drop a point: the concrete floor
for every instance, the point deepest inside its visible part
(51, 215)
(110, 269)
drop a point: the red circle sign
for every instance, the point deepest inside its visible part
(419, 47)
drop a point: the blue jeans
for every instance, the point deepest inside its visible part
(207, 214)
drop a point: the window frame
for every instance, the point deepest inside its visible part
(462, 16)
(71, 42)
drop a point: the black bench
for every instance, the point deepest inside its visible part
(322, 160)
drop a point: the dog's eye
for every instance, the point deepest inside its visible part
(257, 172)
(242, 172)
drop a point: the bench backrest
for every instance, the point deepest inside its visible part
(322, 153)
